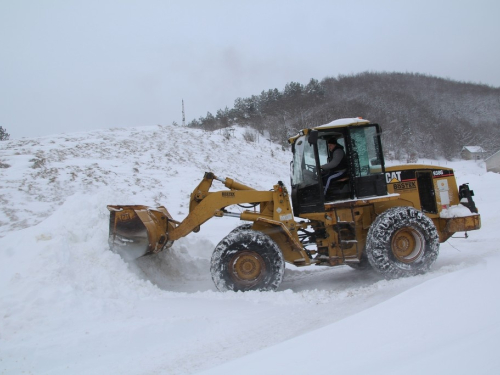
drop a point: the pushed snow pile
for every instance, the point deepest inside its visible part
(63, 260)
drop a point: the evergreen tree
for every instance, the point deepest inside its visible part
(4, 136)
(422, 116)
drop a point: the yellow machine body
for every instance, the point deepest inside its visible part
(307, 226)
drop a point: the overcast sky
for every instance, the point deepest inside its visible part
(69, 66)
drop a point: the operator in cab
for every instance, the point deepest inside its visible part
(336, 167)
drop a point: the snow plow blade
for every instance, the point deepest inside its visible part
(135, 231)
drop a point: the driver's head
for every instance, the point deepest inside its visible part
(332, 142)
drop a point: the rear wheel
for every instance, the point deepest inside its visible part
(247, 260)
(402, 242)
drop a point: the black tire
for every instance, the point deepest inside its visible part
(241, 227)
(247, 260)
(402, 242)
(363, 264)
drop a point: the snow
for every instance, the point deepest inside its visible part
(455, 211)
(343, 122)
(427, 329)
(473, 148)
(68, 305)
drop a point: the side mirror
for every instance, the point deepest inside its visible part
(313, 137)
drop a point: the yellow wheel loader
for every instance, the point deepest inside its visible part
(389, 219)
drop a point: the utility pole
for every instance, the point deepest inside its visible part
(183, 114)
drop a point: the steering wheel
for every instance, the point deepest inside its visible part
(311, 168)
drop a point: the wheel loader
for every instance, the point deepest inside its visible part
(390, 219)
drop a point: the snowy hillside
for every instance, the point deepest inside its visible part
(149, 165)
(68, 305)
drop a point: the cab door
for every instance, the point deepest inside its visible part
(307, 187)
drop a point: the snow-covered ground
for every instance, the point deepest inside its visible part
(68, 305)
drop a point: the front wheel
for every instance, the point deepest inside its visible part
(402, 242)
(242, 227)
(247, 260)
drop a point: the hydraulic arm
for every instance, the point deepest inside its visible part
(137, 230)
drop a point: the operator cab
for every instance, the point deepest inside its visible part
(365, 175)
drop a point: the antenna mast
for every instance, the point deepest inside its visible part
(183, 115)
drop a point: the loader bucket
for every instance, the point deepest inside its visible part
(135, 231)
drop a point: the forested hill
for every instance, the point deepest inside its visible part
(421, 115)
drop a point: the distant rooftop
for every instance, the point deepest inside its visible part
(473, 148)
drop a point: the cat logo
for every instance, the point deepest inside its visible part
(228, 194)
(392, 177)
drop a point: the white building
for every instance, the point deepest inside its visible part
(472, 153)
(493, 163)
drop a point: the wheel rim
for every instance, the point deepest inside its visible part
(408, 245)
(247, 268)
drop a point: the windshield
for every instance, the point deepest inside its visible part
(366, 151)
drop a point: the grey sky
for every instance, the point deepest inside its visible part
(70, 66)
